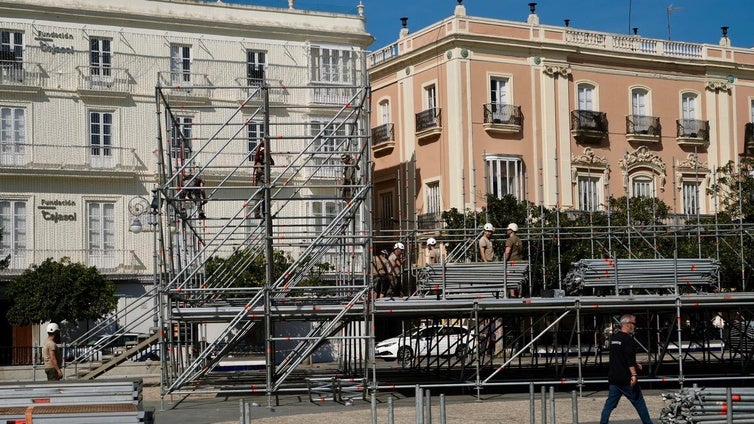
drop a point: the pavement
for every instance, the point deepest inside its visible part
(491, 408)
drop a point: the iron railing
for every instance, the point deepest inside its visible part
(427, 119)
(14, 72)
(692, 128)
(499, 113)
(643, 125)
(382, 133)
(430, 221)
(186, 84)
(588, 120)
(96, 78)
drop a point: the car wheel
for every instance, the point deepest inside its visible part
(405, 356)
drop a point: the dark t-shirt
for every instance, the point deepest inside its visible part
(622, 356)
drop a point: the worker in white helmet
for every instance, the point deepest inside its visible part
(486, 251)
(396, 263)
(433, 253)
(512, 250)
(51, 353)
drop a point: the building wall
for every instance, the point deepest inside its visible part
(544, 67)
(53, 171)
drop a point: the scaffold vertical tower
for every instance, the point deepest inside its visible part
(272, 172)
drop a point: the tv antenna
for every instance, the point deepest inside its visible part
(671, 9)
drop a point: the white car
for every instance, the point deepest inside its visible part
(433, 340)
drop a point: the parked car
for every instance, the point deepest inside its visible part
(433, 340)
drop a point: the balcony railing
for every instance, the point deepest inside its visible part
(185, 84)
(48, 156)
(106, 261)
(430, 221)
(428, 119)
(502, 118)
(749, 139)
(588, 126)
(333, 95)
(105, 80)
(692, 131)
(382, 134)
(643, 128)
(22, 74)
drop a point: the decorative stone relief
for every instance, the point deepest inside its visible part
(692, 168)
(718, 85)
(643, 158)
(559, 70)
(588, 160)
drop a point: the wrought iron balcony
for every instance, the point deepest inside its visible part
(428, 123)
(502, 118)
(186, 85)
(20, 74)
(643, 128)
(15, 157)
(430, 221)
(108, 261)
(107, 81)
(383, 138)
(588, 126)
(694, 132)
(749, 139)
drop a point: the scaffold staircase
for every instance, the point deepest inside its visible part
(214, 202)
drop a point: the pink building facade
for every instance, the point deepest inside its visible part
(554, 115)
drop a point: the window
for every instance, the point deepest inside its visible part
(101, 139)
(751, 111)
(14, 230)
(505, 176)
(586, 97)
(433, 197)
(499, 100)
(181, 132)
(385, 112)
(255, 134)
(12, 136)
(101, 234)
(690, 193)
(588, 194)
(688, 106)
(11, 56)
(430, 97)
(100, 59)
(255, 67)
(639, 110)
(386, 209)
(323, 212)
(180, 64)
(330, 138)
(642, 186)
(331, 64)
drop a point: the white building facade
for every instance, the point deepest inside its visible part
(78, 122)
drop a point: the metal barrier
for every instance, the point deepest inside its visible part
(110, 401)
(475, 279)
(321, 389)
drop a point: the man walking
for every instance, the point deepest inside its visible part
(51, 354)
(623, 374)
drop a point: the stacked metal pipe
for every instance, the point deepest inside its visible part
(642, 274)
(709, 406)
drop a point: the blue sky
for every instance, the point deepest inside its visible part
(697, 21)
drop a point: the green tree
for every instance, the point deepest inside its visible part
(58, 291)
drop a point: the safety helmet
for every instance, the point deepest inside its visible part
(399, 245)
(488, 227)
(52, 327)
(431, 241)
(384, 252)
(513, 227)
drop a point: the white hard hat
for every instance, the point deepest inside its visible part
(431, 241)
(488, 227)
(399, 245)
(513, 227)
(52, 327)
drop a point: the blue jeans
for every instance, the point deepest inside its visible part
(633, 394)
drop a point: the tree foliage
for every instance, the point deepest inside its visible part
(59, 291)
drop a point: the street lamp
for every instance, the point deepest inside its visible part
(135, 226)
